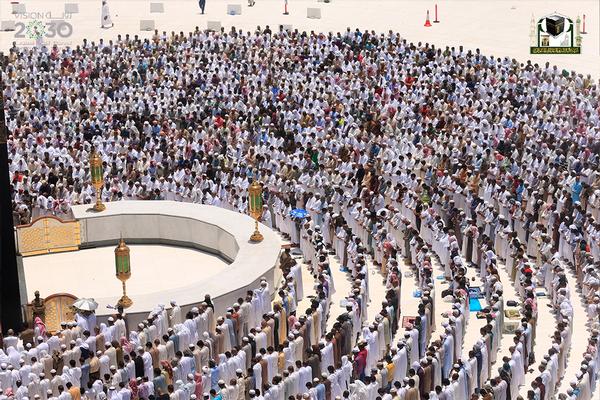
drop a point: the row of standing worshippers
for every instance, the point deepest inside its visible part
(171, 348)
(522, 273)
(503, 387)
(555, 278)
(349, 322)
(362, 344)
(181, 336)
(554, 363)
(375, 339)
(484, 352)
(521, 260)
(358, 298)
(333, 352)
(358, 240)
(353, 256)
(513, 386)
(521, 267)
(567, 246)
(499, 244)
(417, 350)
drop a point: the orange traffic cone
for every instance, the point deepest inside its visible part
(427, 22)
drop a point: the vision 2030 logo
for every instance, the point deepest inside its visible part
(36, 29)
(555, 34)
(40, 25)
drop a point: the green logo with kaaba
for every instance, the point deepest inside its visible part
(555, 34)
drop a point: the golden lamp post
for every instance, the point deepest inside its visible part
(255, 207)
(123, 267)
(97, 179)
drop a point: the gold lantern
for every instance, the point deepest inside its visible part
(97, 179)
(123, 271)
(255, 207)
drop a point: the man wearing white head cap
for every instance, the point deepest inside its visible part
(316, 209)
(67, 335)
(257, 372)
(104, 360)
(5, 376)
(484, 370)
(189, 387)
(306, 232)
(10, 340)
(296, 273)
(191, 327)
(264, 298)
(266, 217)
(139, 337)
(55, 382)
(400, 361)
(44, 386)
(120, 329)
(448, 359)
(175, 317)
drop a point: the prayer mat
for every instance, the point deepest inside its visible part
(474, 304)
(475, 293)
(408, 321)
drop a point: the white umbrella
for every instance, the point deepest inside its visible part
(85, 304)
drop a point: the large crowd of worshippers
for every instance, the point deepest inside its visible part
(421, 161)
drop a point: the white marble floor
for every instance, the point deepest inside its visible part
(91, 272)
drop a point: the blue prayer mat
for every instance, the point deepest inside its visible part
(474, 304)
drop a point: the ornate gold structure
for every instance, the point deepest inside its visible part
(48, 234)
(255, 208)
(58, 307)
(123, 271)
(97, 179)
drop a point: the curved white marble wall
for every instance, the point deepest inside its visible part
(207, 228)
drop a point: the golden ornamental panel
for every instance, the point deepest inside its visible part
(32, 240)
(48, 234)
(59, 308)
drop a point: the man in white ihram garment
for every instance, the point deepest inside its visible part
(106, 21)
